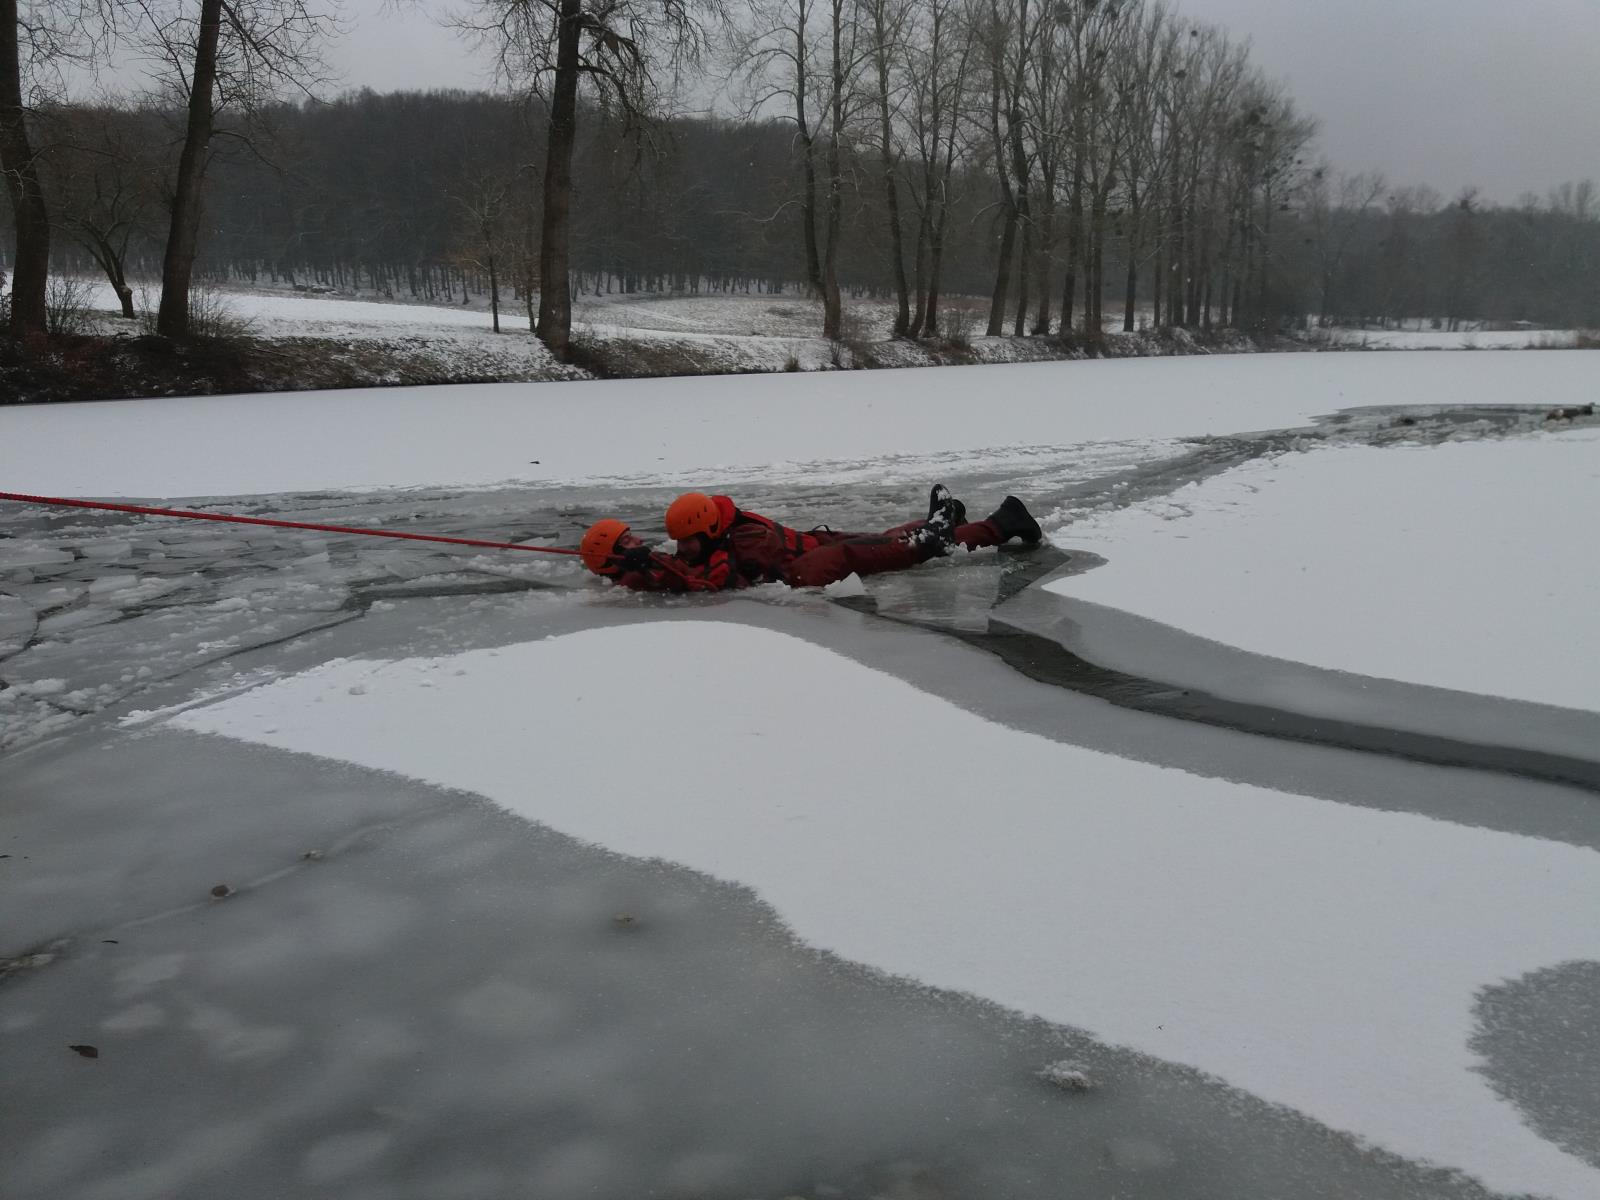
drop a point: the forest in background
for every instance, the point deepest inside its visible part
(1080, 165)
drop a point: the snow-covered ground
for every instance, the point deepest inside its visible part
(1466, 565)
(458, 339)
(732, 331)
(1444, 339)
(1249, 933)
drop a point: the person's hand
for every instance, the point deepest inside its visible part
(636, 558)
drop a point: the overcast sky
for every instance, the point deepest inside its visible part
(1499, 94)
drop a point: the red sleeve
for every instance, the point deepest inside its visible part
(712, 575)
(758, 551)
(662, 576)
(671, 574)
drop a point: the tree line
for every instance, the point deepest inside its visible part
(1081, 163)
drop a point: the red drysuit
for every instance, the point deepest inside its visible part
(756, 549)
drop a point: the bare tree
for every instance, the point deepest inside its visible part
(31, 265)
(37, 38)
(777, 62)
(629, 53)
(105, 177)
(1577, 199)
(1008, 38)
(888, 22)
(1402, 275)
(1274, 136)
(1465, 239)
(1335, 213)
(486, 203)
(1141, 64)
(1083, 34)
(229, 55)
(843, 62)
(940, 55)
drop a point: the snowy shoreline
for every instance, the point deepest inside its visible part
(284, 341)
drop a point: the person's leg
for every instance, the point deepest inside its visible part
(906, 545)
(974, 535)
(854, 556)
(1013, 520)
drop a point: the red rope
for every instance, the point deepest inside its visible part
(205, 516)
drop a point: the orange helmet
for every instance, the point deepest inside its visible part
(598, 544)
(695, 512)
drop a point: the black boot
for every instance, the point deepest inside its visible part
(939, 497)
(937, 534)
(1014, 520)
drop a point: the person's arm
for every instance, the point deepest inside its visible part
(646, 570)
(758, 552)
(713, 575)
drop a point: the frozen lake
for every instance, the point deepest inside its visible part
(536, 888)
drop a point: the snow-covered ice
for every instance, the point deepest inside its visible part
(1319, 955)
(797, 427)
(1467, 565)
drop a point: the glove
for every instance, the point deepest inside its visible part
(637, 558)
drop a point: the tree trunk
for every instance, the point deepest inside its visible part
(930, 325)
(1069, 286)
(31, 265)
(1175, 247)
(891, 190)
(1024, 266)
(808, 216)
(529, 266)
(110, 261)
(1095, 276)
(1002, 276)
(902, 316)
(942, 213)
(555, 258)
(919, 318)
(1160, 267)
(1047, 229)
(1199, 239)
(808, 199)
(1131, 284)
(183, 237)
(1024, 214)
(1264, 303)
(832, 308)
(494, 293)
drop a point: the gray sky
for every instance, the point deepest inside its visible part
(1500, 94)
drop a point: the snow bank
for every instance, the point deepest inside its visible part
(1444, 339)
(646, 429)
(1469, 565)
(1335, 972)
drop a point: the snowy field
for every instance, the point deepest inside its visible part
(1444, 339)
(1351, 953)
(717, 331)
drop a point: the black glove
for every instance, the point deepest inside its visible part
(637, 558)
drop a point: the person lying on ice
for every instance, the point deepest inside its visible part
(722, 546)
